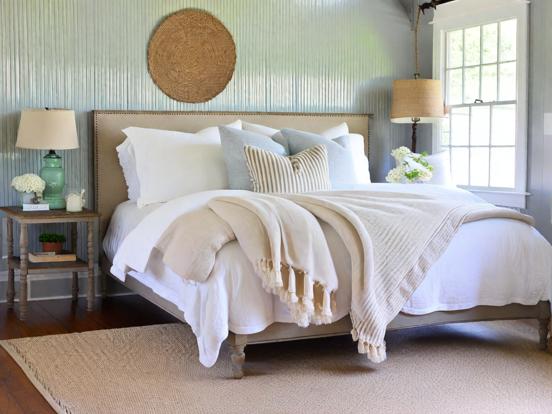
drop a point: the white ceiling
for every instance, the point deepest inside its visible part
(409, 7)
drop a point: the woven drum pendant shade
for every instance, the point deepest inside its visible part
(191, 56)
(417, 98)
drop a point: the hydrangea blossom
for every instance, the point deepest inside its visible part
(411, 167)
(400, 153)
(28, 183)
(396, 175)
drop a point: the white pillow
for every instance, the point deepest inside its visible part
(127, 159)
(336, 131)
(331, 133)
(355, 144)
(441, 168)
(259, 129)
(213, 132)
(171, 164)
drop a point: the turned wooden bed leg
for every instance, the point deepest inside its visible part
(237, 345)
(544, 329)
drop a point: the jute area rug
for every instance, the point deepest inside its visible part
(469, 368)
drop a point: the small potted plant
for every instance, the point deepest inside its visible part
(52, 242)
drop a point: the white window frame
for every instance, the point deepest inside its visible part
(461, 14)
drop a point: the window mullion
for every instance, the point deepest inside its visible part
(491, 112)
(480, 61)
(450, 142)
(463, 65)
(498, 43)
(498, 28)
(445, 57)
(469, 144)
(491, 109)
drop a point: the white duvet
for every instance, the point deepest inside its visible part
(490, 262)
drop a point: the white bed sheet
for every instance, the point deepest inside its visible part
(489, 262)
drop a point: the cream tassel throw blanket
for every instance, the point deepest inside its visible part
(393, 239)
(282, 240)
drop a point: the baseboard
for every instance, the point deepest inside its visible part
(47, 276)
(58, 286)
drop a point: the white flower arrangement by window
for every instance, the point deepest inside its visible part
(29, 183)
(411, 167)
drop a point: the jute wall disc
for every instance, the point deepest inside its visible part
(191, 56)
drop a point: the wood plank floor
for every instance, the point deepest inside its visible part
(17, 394)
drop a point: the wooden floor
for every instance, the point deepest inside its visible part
(17, 394)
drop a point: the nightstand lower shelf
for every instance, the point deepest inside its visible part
(78, 265)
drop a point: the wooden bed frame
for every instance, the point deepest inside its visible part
(110, 190)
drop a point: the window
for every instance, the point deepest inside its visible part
(481, 58)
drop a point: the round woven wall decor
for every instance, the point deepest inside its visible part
(191, 56)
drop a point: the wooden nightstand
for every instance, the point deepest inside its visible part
(24, 219)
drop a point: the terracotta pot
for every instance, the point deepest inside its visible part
(52, 247)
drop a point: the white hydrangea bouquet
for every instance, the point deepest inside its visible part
(30, 186)
(411, 167)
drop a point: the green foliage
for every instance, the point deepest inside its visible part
(412, 175)
(51, 238)
(422, 161)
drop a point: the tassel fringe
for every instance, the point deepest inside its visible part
(292, 286)
(304, 305)
(310, 302)
(375, 352)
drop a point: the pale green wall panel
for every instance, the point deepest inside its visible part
(540, 102)
(293, 55)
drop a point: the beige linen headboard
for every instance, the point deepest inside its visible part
(110, 187)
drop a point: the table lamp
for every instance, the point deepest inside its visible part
(49, 129)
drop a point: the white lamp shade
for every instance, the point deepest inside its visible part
(47, 129)
(417, 98)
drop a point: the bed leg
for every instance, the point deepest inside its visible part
(544, 329)
(237, 345)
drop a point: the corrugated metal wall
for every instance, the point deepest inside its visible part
(540, 102)
(293, 55)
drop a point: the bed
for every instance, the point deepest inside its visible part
(490, 289)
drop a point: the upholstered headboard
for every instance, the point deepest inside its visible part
(110, 187)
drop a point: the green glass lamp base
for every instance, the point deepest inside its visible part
(54, 203)
(54, 176)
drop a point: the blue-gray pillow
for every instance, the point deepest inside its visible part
(233, 147)
(340, 158)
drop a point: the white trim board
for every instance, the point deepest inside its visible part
(465, 13)
(548, 123)
(461, 12)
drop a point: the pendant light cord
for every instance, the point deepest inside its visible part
(416, 49)
(432, 4)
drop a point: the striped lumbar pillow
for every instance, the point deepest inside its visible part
(303, 172)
